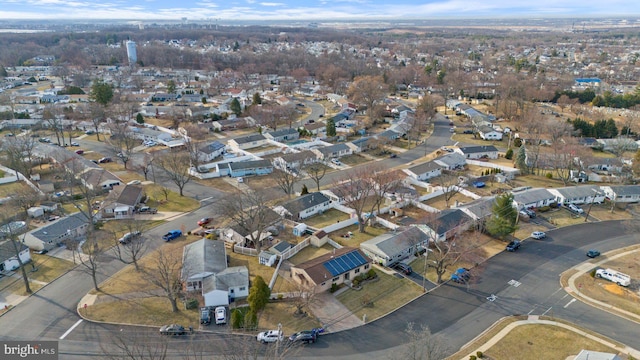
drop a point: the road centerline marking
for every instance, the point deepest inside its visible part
(70, 329)
(569, 303)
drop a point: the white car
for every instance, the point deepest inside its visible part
(538, 235)
(221, 315)
(270, 336)
(575, 209)
(336, 162)
(134, 182)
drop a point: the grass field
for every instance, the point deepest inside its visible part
(310, 252)
(378, 294)
(13, 188)
(49, 267)
(357, 237)
(282, 312)
(562, 217)
(175, 202)
(533, 342)
(145, 311)
(251, 262)
(329, 217)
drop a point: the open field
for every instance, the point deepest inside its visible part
(533, 342)
(610, 293)
(377, 293)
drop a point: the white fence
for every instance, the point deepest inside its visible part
(334, 244)
(506, 169)
(386, 223)
(425, 207)
(244, 251)
(432, 195)
(468, 193)
(294, 250)
(341, 225)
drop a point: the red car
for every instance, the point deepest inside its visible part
(79, 152)
(205, 221)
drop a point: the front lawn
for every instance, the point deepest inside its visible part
(48, 267)
(282, 312)
(562, 217)
(379, 297)
(174, 202)
(145, 311)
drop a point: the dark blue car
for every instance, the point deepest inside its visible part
(172, 234)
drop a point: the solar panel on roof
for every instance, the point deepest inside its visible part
(344, 263)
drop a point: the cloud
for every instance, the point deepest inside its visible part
(272, 4)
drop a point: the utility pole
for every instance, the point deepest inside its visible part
(590, 205)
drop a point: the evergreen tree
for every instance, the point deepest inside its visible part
(258, 295)
(304, 190)
(331, 127)
(257, 99)
(509, 154)
(3, 71)
(139, 119)
(521, 160)
(235, 106)
(503, 218)
(101, 92)
(171, 87)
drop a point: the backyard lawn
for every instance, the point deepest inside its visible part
(329, 217)
(251, 262)
(356, 237)
(310, 252)
(377, 295)
(13, 188)
(440, 203)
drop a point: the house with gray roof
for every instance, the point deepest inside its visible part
(425, 171)
(333, 151)
(121, 201)
(447, 224)
(295, 160)
(488, 133)
(388, 249)
(210, 151)
(283, 135)
(251, 167)
(478, 209)
(622, 193)
(451, 161)
(8, 258)
(585, 194)
(533, 198)
(478, 152)
(68, 228)
(305, 206)
(204, 269)
(248, 141)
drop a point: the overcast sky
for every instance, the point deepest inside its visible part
(309, 10)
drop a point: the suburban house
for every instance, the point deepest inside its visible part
(283, 135)
(316, 128)
(622, 193)
(488, 133)
(478, 152)
(425, 171)
(305, 206)
(451, 161)
(447, 224)
(248, 168)
(533, 198)
(337, 267)
(248, 141)
(295, 160)
(8, 258)
(231, 124)
(204, 269)
(210, 151)
(121, 202)
(149, 134)
(161, 97)
(388, 249)
(585, 194)
(478, 209)
(240, 233)
(333, 151)
(71, 227)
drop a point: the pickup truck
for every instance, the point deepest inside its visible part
(614, 276)
(172, 234)
(147, 210)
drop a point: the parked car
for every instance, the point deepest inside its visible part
(513, 246)
(403, 268)
(617, 277)
(89, 132)
(452, 130)
(468, 132)
(270, 336)
(461, 275)
(530, 213)
(305, 336)
(393, 156)
(126, 238)
(575, 209)
(104, 160)
(336, 162)
(205, 316)
(593, 253)
(221, 315)
(79, 152)
(240, 179)
(147, 210)
(173, 329)
(42, 252)
(172, 234)
(205, 221)
(538, 235)
(75, 144)
(447, 149)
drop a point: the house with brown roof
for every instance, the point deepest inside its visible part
(341, 265)
(121, 201)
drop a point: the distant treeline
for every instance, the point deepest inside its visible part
(607, 99)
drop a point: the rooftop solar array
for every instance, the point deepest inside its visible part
(344, 263)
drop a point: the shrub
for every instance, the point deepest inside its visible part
(236, 319)
(191, 304)
(593, 273)
(250, 320)
(509, 154)
(371, 274)
(549, 176)
(544, 209)
(334, 287)
(356, 282)
(553, 205)
(472, 357)
(280, 296)
(188, 232)
(479, 354)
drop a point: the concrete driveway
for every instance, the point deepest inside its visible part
(332, 314)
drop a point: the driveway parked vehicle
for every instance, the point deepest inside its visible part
(147, 210)
(79, 152)
(462, 275)
(173, 329)
(513, 246)
(205, 221)
(221, 315)
(269, 336)
(575, 209)
(205, 316)
(538, 235)
(126, 238)
(172, 234)
(403, 268)
(305, 336)
(104, 160)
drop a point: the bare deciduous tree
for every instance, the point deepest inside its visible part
(176, 164)
(316, 172)
(133, 249)
(249, 211)
(421, 344)
(164, 271)
(285, 179)
(122, 142)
